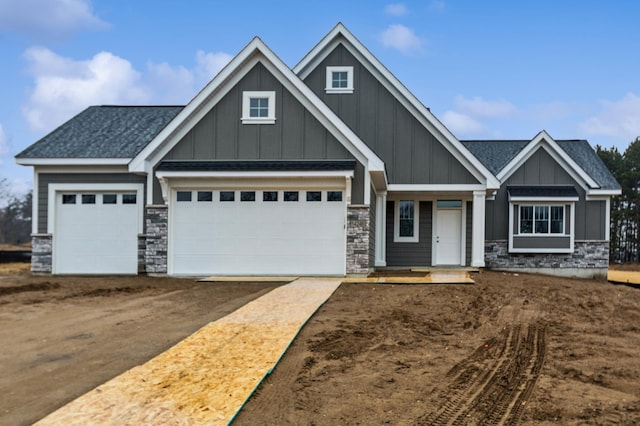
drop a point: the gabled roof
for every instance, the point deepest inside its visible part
(503, 157)
(255, 52)
(102, 132)
(340, 34)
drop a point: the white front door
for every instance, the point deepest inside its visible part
(448, 236)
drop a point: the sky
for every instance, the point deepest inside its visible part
(487, 69)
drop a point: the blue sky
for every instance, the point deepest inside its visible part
(488, 70)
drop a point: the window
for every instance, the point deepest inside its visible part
(290, 196)
(258, 107)
(88, 198)
(339, 80)
(129, 198)
(109, 198)
(227, 196)
(68, 198)
(270, 196)
(405, 221)
(205, 196)
(541, 220)
(314, 196)
(247, 195)
(184, 196)
(334, 195)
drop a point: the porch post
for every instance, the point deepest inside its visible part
(477, 236)
(381, 229)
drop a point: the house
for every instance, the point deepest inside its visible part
(330, 168)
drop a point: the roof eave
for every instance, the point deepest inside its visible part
(72, 161)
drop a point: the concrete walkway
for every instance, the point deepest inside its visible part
(206, 378)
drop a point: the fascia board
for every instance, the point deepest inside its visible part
(545, 141)
(408, 99)
(604, 193)
(72, 161)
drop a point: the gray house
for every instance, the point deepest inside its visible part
(330, 168)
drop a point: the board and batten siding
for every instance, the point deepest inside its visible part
(44, 179)
(542, 169)
(411, 254)
(296, 134)
(411, 153)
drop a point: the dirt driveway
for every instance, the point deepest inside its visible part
(62, 336)
(511, 349)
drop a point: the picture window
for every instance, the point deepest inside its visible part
(536, 220)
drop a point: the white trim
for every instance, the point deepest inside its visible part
(254, 174)
(512, 250)
(381, 230)
(571, 234)
(603, 192)
(399, 187)
(247, 96)
(434, 231)
(72, 161)
(545, 141)
(329, 80)
(340, 34)
(477, 229)
(416, 222)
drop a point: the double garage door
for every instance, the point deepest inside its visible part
(96, 232)
(257, 231)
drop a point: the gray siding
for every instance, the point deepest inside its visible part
(44, 179)
(410, 254)
(542, 242)
(411, 153)
(542, 169)
(296, 134)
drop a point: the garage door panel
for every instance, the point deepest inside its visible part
(260, 237)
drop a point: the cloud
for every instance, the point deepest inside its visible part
(620, 119)
(463, 124)
(4, 143)
(404, 39)
(64, 86)
(396, 9)
(48, 18)
(478, 107)
(437, 5)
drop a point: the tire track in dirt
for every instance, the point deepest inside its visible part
(493, 385)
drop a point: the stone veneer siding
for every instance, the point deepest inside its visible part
(41, 249)
(155, 247)
(358, 234)
(586, 254)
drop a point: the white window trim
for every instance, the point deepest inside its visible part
(329, 80)
(271, 113)
(396, 223)
(571, 234)
(533, 232)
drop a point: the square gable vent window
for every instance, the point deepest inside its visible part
(339, 80)
(258, 107)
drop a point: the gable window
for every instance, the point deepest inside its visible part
(339, 80)
(259, 107)
(406, 221)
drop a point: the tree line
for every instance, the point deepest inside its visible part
(15, 216)
(625, 208)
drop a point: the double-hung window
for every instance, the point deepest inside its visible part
(259, 107)
(339, 80)
(406, 221)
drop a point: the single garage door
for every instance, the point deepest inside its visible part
(96, 233)
(258, 232)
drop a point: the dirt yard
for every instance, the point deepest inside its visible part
(62, 336)
(511, 349)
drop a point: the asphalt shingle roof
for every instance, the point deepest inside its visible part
(104, 132)
(496, 154)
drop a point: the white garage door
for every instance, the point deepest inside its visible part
(96, 233)
(258, 232)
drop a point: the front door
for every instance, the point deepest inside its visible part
(448, 236)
